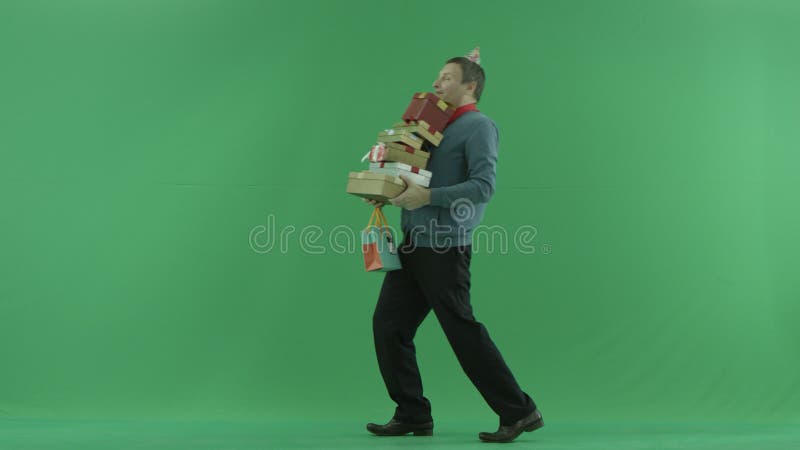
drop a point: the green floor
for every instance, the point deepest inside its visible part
(29, 434)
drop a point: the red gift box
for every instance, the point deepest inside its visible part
(430, 108)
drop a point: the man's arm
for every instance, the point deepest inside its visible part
(481, 154)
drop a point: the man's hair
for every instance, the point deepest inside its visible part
(470, 71)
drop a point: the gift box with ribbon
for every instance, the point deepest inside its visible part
(405, 136)
(422, 129)
(393, 151)
(400, 150)
(415, 174)
(430, 108)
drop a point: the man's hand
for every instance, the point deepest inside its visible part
(374, 203)
(415, 196)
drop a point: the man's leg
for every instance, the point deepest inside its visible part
(445, 279)
(400, 310)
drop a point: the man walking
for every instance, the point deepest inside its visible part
(437, 224)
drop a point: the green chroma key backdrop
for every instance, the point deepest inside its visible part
(176, 240)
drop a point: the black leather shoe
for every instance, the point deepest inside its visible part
(397, 428)
(507, 433)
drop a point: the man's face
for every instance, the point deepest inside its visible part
(449, 88)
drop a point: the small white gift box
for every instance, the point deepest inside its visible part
(417, 175)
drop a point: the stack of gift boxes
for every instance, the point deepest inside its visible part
(402, 150)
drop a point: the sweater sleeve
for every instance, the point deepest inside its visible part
(481, 158)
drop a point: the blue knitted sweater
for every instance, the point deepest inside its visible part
(462, 183)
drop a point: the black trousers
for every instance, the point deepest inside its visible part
(438, 279)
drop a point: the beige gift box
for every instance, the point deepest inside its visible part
(402, 135)
(375, 186)
(421, 129)
(396, 152)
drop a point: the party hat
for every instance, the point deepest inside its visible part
(474, 55)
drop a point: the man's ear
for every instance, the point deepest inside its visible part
(472, 86)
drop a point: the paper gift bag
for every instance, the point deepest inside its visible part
(377, 244)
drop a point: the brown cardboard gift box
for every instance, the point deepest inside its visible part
(375, 186)
(404, 136)
(421, 129)
(395, 151)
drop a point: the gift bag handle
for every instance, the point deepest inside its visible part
(377, 218)
(384, 223)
